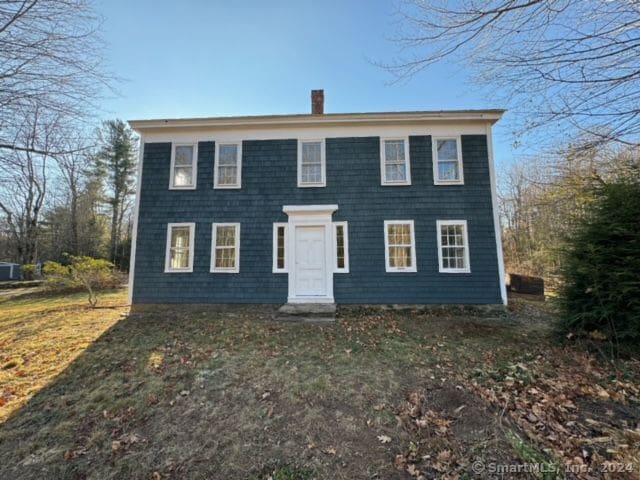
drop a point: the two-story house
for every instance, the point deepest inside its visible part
(355, 208)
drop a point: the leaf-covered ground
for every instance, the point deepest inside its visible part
(229, 393)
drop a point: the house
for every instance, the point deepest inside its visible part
(355, 208)
(9, 271)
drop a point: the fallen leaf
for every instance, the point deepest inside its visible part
(384, 438)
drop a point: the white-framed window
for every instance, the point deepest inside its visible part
(447, 161)
(341, 247)
(395, 166)
(312, 164)
(228, 165)
(400, 246)
(453, 246)
(179, 252)
(184, 166)
(280, 231)
(225, 248)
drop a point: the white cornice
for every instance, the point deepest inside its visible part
(331, 119)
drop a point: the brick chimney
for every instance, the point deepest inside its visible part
(317, 102)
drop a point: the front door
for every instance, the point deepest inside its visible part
(310, 262)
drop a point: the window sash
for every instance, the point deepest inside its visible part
(183, 166)
(447, 162)
(395, 161)
(311, 163)
(225, 251)
(228, 165)
(179, 252)
(453, 246)
(400, 245)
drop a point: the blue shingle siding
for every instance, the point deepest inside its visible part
(269, 181)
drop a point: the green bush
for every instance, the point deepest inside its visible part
(82, 272)
(601, 294)
(28, 271)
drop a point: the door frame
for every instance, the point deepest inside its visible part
(310, 216)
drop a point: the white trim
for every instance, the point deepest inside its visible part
(441, 269)
(11, 271)
(194, 166)
(388, 267)
(275, 247)
(236, 246)
(249, 132)
(136, 212)
(383, 159)
(345, 232)
(490, 115)
(323, 163)
(167, 253)
(309, 215)
(310, 209)
(496, 218)
(238, 184)
(435, 160)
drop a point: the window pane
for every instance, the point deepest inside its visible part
(311, 173)
(179, 258)
(395, 172)
(311, 152)
(228, 154)
(394, 150)
(184, 155)
(453, 247)
(447, 149)
(180, 237)
(225, 236)
(227, 175)
(225, 257)
(280, 248)
(340, 246)
(183, 176)
(400, 256)
(448, 171)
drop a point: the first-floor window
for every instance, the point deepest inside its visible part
(453, 246)
(225, 248)
(279, 243)
(400, 251)
(341, 238)
(179, 254)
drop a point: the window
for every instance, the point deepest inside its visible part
(453, 246)
(394, 161)
(399, 240)
(341, 237)
(447, 161)
(225, 248)
(179, 254)
(183, 166)
(311, 163)
(228, 165)
(279, 244)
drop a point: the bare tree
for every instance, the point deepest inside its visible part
(574, 64)
(51, 60)
(24, 179)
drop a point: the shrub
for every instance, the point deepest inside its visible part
(28, 271)
(87, 272)
(601, 295)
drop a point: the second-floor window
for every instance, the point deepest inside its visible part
(447, 161)
(183, 166)
(228, 165)
(311, 163)
(394, 161)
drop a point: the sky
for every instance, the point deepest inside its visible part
(198, 58)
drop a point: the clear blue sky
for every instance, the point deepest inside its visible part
(213, 58)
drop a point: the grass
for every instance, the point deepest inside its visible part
(219, 392)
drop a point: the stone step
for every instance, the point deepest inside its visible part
(307, 312)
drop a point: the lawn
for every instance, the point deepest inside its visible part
(227, 392)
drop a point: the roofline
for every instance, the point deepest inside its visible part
(491, 115)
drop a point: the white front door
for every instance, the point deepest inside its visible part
(310, 262)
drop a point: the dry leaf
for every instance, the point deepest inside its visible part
(384, 438)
